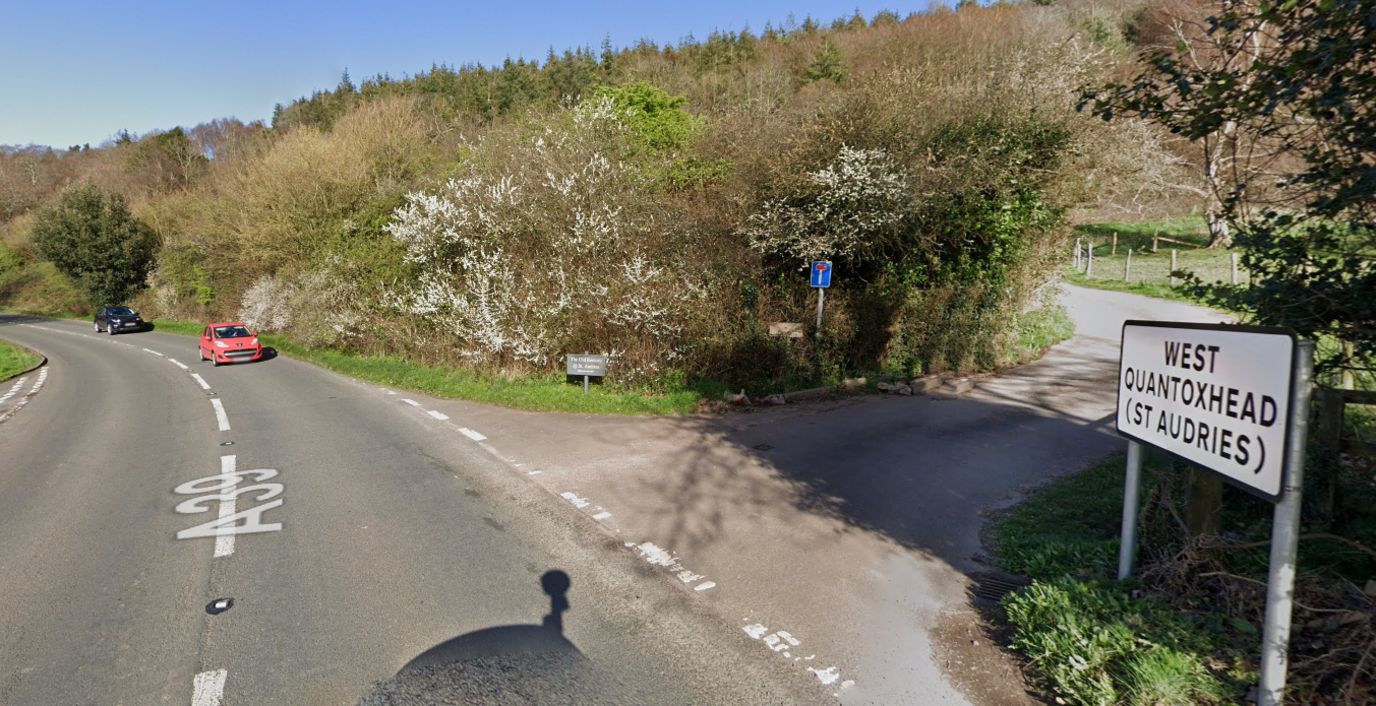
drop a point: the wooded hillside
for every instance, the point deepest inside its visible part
(657, 203)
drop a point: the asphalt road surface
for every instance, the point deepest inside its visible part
(370, 532)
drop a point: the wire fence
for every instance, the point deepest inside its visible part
(1159, 261)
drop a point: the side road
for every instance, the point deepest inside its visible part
(841, 535)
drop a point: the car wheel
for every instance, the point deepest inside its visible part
(214, 361)
(111, 329)
(97, 328)
(200, 353)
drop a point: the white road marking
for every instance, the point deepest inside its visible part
(209, 688)
(474, 436)
(573, 498)
(602, 516)
(179, 365)
(438, 415)
(786, 643)
(657, 556)
(14, 390)
(220, 415)
(224, 544)
(534, 473)
(828, 676)
(224, 488)
(204, 385)
(413, 403)
(37, 385)
(145, 350)
(705, 585)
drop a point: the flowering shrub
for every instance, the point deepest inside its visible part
(549, 243)
(846, 213)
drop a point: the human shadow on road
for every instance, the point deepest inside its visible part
(507, 664)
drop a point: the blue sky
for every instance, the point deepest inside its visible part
(77, 72)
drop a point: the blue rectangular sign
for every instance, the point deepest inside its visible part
(821, 273)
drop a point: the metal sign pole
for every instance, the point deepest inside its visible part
(1132, 493)
(585, 379)
(821, 297)
(1285, 536)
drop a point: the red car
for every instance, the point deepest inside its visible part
(229, 343)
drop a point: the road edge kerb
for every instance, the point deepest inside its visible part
(43, 360)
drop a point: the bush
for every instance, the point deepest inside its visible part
(91, 236)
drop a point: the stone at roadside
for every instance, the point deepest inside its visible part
(1370, 589)
(853, 383)
(885, 387)
(924, 385)
(902, 390)
(774, 399)
(959, 386)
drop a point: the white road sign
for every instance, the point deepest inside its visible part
(1218, 396)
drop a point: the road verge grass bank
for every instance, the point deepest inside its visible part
(1186, 628)
(535, 394)
(15, 360)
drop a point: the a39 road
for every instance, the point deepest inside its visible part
(379, 532)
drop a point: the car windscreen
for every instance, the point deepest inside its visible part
(119, 311)
(231, 332)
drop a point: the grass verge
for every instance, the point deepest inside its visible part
(1146, 289)
(536, 394)
(1186, 628)
(1094, 641)
(15, 360)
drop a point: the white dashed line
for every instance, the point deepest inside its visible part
(209, 688)
(573, 498)
(146, 350)
(224, 544)
(14, 390)
(220, 415)
(179, 365)
(204, 385)
(474, 436)
(705, 585)
(413, 403)
(37, 385)
(438, 415)
(602, 516)
(785, 643)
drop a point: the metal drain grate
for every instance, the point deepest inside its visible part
(994, 587)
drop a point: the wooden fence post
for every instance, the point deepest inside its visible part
(1172, 275)
(1127, 268)
(1234, 258)
(1114, 251)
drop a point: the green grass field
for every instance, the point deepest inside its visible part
(1151, 259)
(15, 360)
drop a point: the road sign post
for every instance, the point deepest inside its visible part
(1233, 400)
(1285, 539)
(587, 365)
(1132, 494)
(821, 279)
